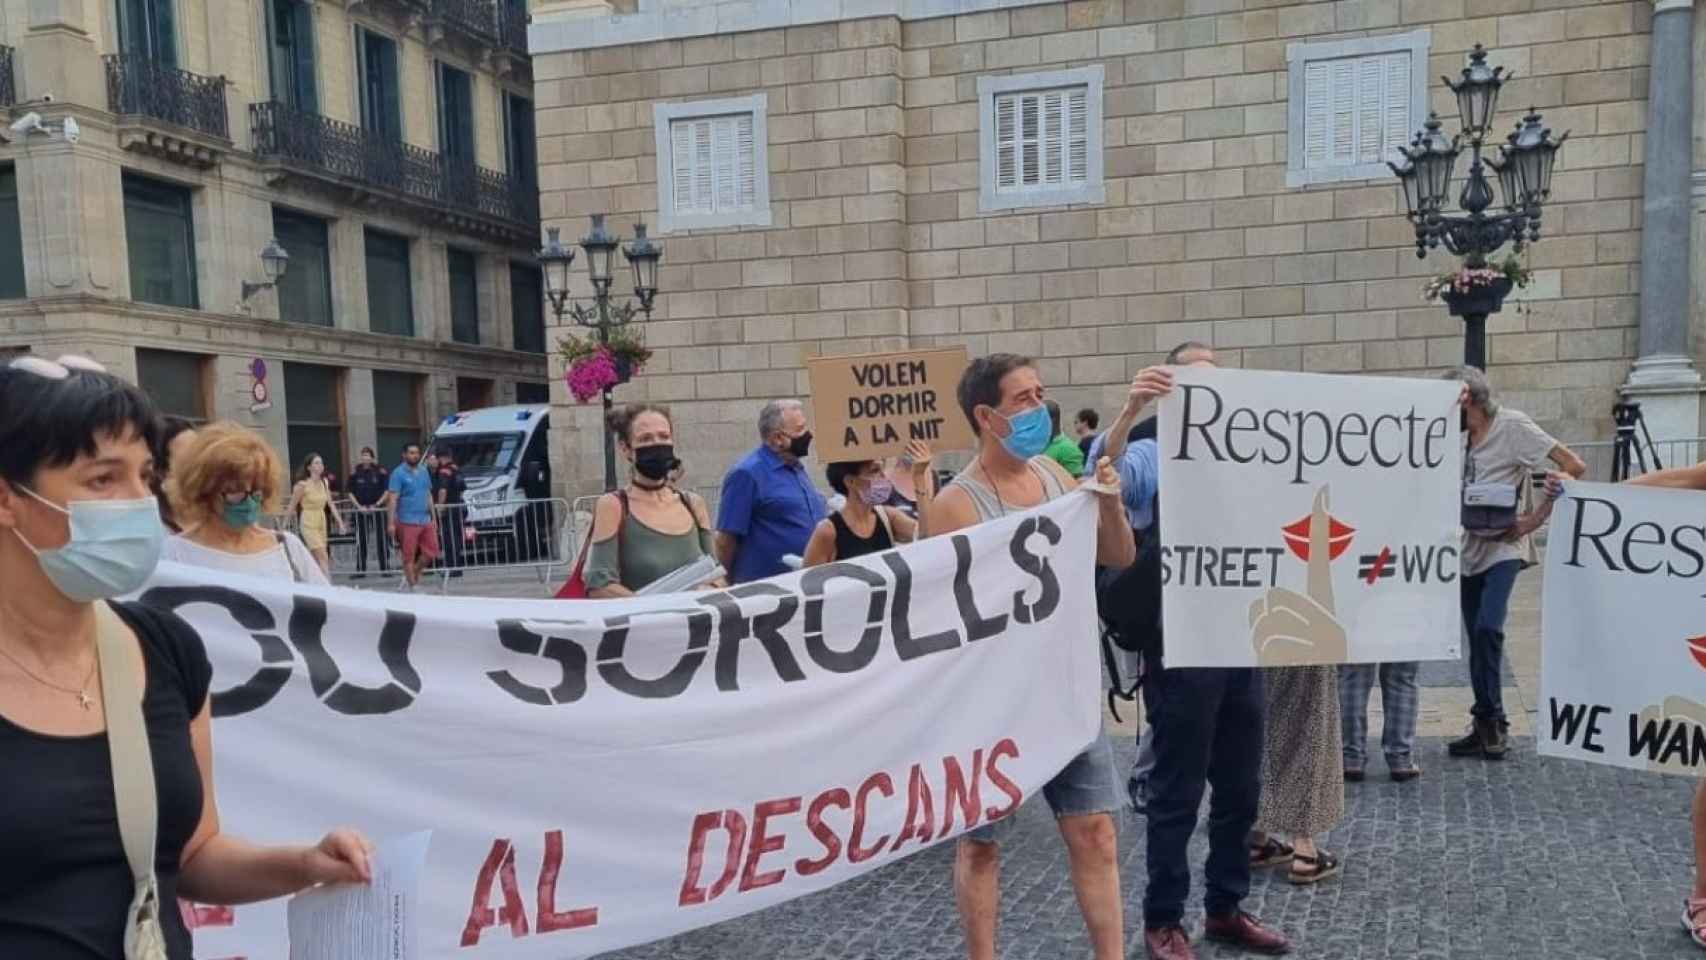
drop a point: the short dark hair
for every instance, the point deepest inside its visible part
(368, 451)
(837, 473)
(411, 445)
(1053, 417)
(1189, 346)
(980, 385)
(1090, 418)
(47, 422)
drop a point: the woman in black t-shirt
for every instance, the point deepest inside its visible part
(77, 527)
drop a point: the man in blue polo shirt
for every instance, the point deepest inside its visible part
(769, 506)
(410, 508)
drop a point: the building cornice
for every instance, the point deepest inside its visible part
(566, 32)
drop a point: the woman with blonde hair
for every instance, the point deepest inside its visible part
(309, 501)
(228, 479)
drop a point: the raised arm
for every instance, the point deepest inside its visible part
(1150, 383)
(1677, 478)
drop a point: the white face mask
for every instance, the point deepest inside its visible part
(113, 550)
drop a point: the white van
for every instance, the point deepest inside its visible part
(504, 454)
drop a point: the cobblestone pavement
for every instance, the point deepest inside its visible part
(1529, 858)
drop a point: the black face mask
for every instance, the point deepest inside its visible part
(656, 461)
(801, 445)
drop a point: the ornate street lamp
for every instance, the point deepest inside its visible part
(1524, 171)
(601, 315)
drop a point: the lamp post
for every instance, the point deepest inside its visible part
(601, 315)
(1524, 170)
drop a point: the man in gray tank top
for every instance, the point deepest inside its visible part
(1002, 396)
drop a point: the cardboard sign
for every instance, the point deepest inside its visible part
(872, 406)
(1622, 659)
(1308, 519)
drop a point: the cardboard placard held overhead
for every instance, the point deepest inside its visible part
(873, 405)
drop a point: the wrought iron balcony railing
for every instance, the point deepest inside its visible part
(512, 26)
(8, 80)
(476, 18)
(142, 87)
(341, 151)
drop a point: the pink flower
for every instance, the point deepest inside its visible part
(588, 377)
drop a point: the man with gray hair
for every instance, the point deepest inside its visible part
(1503, 447)
(769, 506)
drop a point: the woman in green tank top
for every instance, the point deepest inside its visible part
(648, 528)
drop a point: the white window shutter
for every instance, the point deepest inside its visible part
(715, 164)
(723, 163)
(1341, 147)
(1030, 140)
(682, 165)
(1370, 109)
(1078, 136)
(1006, 143)
(1042, 139)
(1317, 118)
(746, 163)
(1356, 110)
(1398, 121)
(1053, 137)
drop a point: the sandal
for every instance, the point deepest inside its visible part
(1694, 919)
(1270, 853)
(1315, 869)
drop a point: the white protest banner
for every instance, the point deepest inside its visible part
(598, 774)
(1308, 518)
(1622, 659)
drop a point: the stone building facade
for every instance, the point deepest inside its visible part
(386, 145)
(1220, 188)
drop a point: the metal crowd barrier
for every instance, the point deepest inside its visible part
(1671, 453)
(489, 536)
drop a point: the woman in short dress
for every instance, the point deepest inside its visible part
(310, 501)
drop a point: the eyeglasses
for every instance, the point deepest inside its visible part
(55, 369)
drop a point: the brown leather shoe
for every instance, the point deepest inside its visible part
(1243, 930)
(1168, 943)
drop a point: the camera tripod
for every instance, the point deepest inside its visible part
(1627, 449)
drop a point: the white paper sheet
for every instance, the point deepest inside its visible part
(374, 921)
(703, 570)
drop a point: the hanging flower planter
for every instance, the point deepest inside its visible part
(594, 367)
(1478, 291)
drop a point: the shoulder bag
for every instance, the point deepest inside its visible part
(575, 588)
(1489, 509)
(133, 783)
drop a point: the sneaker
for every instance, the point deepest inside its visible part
(1353, 775)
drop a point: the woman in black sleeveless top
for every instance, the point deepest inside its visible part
(78, 527)
(866, 525)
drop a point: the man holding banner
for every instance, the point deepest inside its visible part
(1002, 397)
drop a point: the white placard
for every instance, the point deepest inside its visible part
(1308, 518)
(602, 773)
(1623, 659)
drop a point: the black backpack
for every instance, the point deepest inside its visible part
(1129, 600)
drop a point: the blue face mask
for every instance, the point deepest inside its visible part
(1029, 432)
(244, 513)
(113, 550)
